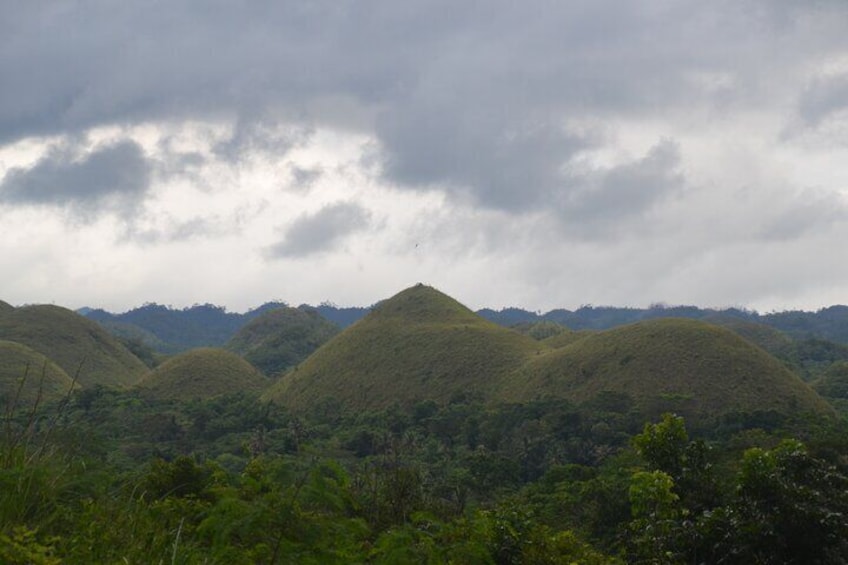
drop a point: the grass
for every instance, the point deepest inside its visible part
(423, 345)
(203, 373)
(74, 343)
(27, 376)
(281, 338)
(418, 344)
(688, 366)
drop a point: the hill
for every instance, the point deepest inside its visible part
(281, 338)
(5, 307)
(696, 369)
(419, 344)
(76, 344)
(24, 371)
(202, 373)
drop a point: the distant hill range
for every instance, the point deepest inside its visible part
(171, 330)
(421, 345)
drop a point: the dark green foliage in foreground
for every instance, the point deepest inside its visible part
(119, 477)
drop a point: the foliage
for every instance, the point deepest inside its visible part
(281, 338)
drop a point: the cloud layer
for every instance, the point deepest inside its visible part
(511, 141)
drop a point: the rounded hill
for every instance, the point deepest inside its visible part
(203, 373)
(5, 307)
(697, 369)
(281, 338)
(78, 345)
(419, 344)
(27, 376)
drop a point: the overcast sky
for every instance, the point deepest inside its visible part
(538, 154)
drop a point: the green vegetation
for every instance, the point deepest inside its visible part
(5, 307)
(540, 330)
(425, 434)
(74, 343)
(691, 367)
(202, 373)
(281, 338)
(418, 345)
(27, 377)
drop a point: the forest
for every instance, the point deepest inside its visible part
(422, 433)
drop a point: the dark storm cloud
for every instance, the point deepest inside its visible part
(109, 177)
(478, 99)
(322, 231)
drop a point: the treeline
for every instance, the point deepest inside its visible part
(117, 477)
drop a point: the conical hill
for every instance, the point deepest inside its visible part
(419, 344)
(203, 373)
(27, 377)
(697, 369)
(281, 338)
(77, 344)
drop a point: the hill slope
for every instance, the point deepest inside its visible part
(24, 371)
(694, 368)
(203, 373)
(282, 338)
(419, 344)
(75, 343)
(5, 307)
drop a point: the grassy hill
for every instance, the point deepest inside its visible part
(76, 344)
(282, 338)
(419, 344)
(772, 340)
(203, 373)
(24, 371)
(5, 307)
(696, 369)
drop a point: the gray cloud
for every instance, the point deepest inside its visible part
(322, 231)
(823, 97)
(805, 214)
(473, 96)
(304, 178)
(252, 135)
(606, 198)
(110, 177)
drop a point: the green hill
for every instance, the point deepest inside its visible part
(419, 344)
(203, 373)
(24, 371)
(282, 338)
(5, 307)
(566, 338)
(772, 340)
(540, 330)
(76, 344)
(699, 370)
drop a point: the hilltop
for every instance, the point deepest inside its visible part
(76, 344)
(281, 338)
(202, 373)
(424, 345)
(419, 344)
(696, 369)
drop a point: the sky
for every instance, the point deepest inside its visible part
(539, 154)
